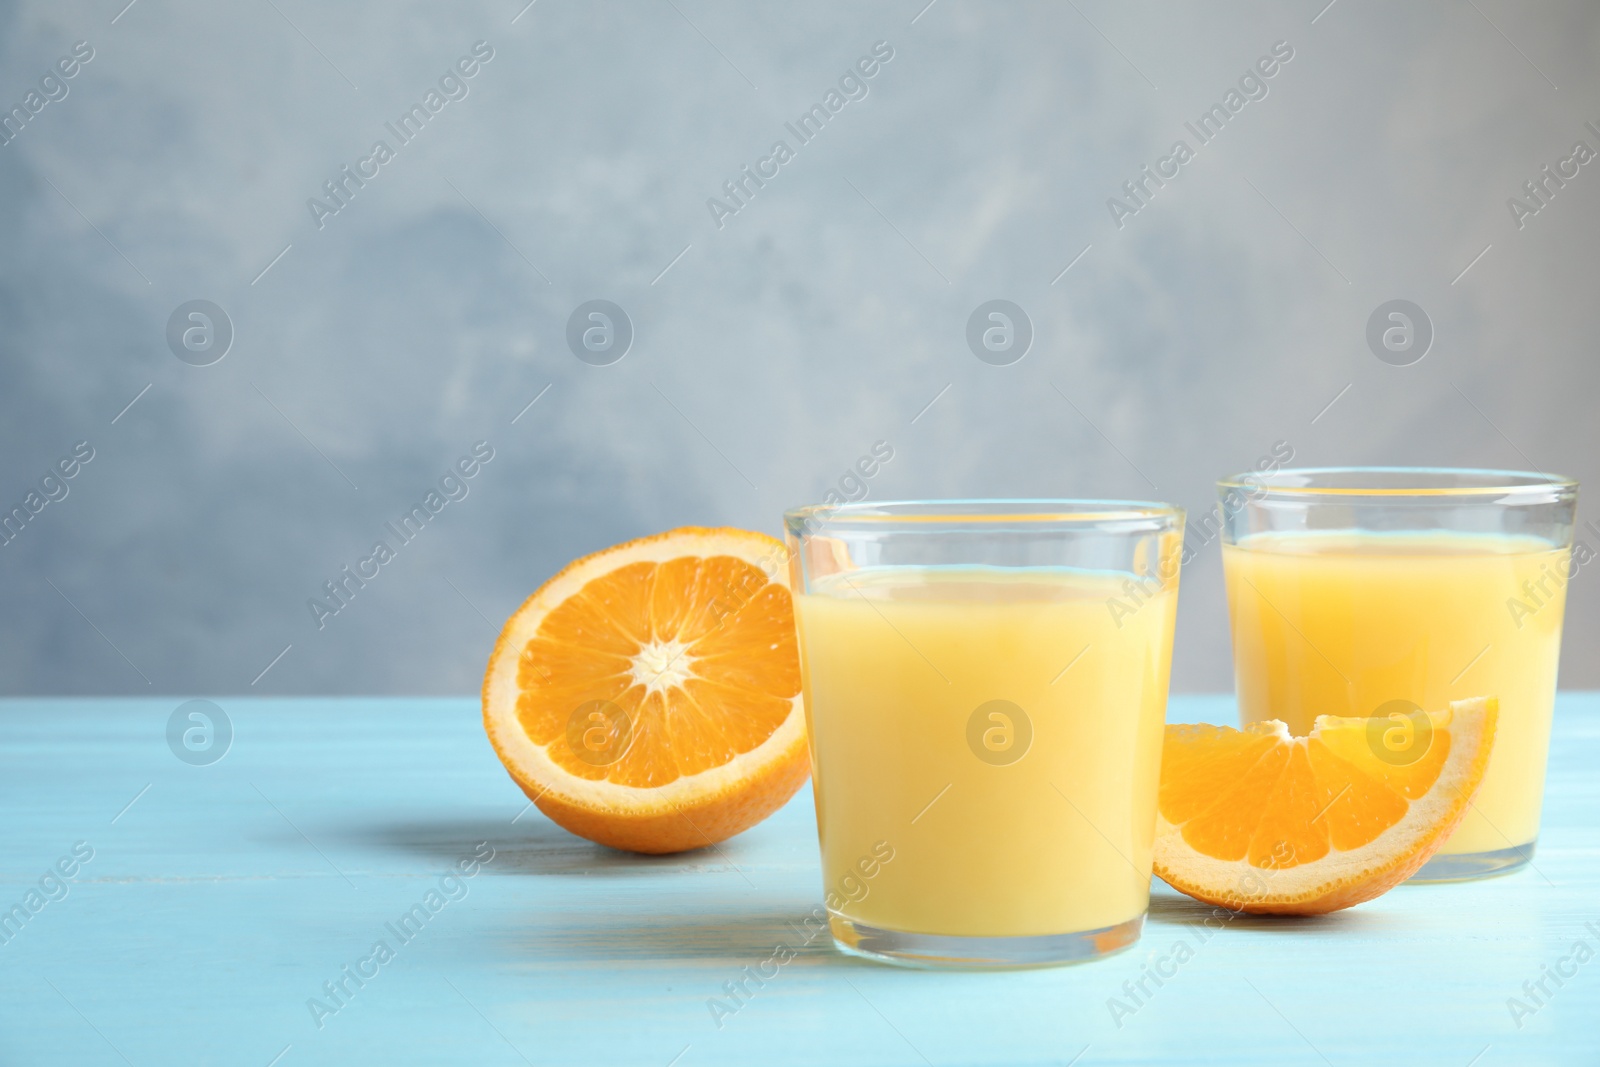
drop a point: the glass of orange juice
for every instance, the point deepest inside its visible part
(1378, 591)
(985, 686)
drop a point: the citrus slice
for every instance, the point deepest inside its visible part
(1260, 821)
(648, 696)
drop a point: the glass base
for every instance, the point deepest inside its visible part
(979, 953)
(1465, 866)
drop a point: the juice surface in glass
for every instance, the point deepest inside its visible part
(1032, 817)
(1342, 623)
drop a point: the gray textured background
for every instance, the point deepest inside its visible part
(825, 316)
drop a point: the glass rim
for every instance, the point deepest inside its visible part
(1410, 483)
(984, 513)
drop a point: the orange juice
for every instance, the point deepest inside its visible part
(996, 732)
(1343, 623)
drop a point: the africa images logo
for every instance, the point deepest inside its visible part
(453, 85)
(53, 88)
(342, 588)
(1205, 129)
(852, 86)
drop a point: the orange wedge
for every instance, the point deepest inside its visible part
(1259, 821)
(648, 696)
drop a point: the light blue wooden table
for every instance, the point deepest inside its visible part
(219, 899)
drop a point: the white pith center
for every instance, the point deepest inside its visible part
(660, 665)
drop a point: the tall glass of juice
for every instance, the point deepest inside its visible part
(1381, 591)
(986, 686)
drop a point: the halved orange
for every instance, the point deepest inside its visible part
(648, 696)
(1260, 821)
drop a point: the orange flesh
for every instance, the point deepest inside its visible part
(1248, 794)
(739, 655)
